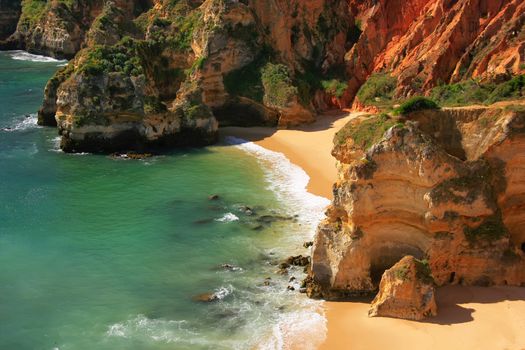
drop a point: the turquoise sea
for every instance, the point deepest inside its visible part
(104, 253)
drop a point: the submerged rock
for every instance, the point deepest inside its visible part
(206, 297)
(406, 291)
(132, 155)
(298, 260)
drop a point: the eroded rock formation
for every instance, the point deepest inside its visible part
(253, 62)
(443, 185)
(406, 291)
(436, 41)
(146, 72)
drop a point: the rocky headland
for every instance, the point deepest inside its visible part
(442, 185)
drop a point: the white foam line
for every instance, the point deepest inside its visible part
(289, 182)
(20, 55)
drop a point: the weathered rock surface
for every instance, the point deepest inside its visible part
(9, 14)
(433, 41)
(406, 291)
(444, 185)
(53, 28)
(221, 49)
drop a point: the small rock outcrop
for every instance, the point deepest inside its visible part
(406, 291)
(442, 185)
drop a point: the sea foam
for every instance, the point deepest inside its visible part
(289, 182)
(228, 217)
(20, 55)
(22, 123)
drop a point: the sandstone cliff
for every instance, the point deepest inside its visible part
(428, 42)
(253, 62)
(406, 291)
(442, 185)
(145, 70)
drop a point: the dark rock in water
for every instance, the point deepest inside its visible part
(308, 244)
(302, 290)
(246, 210)
(257, 227)
(213, 197)
(298, 260)
(132, 155)
(284, 266)
(203, 221)
(206, 298)
(291, 279)
(230, 267)
(290, 288)
(269, 219)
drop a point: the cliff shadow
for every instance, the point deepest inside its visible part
(453, 301)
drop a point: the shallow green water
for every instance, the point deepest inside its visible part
(101, 253)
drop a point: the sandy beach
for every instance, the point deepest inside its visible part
(469, 317)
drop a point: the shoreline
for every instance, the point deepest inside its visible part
(465, 315)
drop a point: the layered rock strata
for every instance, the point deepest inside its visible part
(145, 73)
(436, 41)
(406, 291)
(442, 185)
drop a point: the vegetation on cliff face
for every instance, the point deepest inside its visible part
(414, 104)
(378, 90)
(278, 86)
(365, 133)
(475, 92)
(122, 57)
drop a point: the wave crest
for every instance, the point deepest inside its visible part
(20, 55)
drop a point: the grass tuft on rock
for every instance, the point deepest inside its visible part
(417, 103)
(367, 132)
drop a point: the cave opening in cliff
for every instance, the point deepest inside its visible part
(387, 255)
(523, 247)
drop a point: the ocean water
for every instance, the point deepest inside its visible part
(104, 253)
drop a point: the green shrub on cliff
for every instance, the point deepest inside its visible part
(334, 87)
(278, 85)
(474, 92)
(378, 90)
(367, 132)
(417, 103)
(122, 57)
(33, 10)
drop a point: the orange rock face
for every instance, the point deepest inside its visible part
(406, 291)
(443, 185)
(425, 42)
